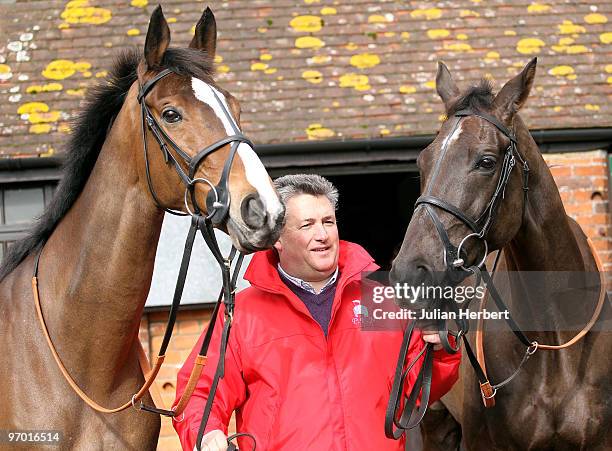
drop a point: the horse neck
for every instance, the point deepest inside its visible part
(96, 268)
(544, 243)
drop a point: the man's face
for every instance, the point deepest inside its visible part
(308, 245)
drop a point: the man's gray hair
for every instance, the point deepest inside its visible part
(292, 185)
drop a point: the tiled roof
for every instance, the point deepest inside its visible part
(314, 69)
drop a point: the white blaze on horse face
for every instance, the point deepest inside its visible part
(256, 174)
(452, 137)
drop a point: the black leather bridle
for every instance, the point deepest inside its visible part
(217, 205)
(411, 416)
(218, 198)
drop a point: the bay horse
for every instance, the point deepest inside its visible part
(471, 197)
(127, 162)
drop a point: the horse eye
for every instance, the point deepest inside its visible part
(486, 163)
(171, 116)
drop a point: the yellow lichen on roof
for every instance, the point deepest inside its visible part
(469, 13)
(529, 46)
(319, 59)
(79, 11)
(407, 89)
(569, 27)
(430, 84)
(563, 71)
(357, 81)
(5, 72)
(306, 24)
(438, 33)
(133, 32)
(101, 74)
(379, 19)
(265, 57)
(312, 76)
(309, 42)
(429, 14)
(606, 38)
(458, 47)
(259, 66)
(595, 18)
(365, 60)
(491, 57)
(509, 33)
(38, 129)
(328, 11)
(49, 87)
(223, 69)
(61, 69)
(538, 8)
(317, 131)
(139, 3)
(33, 107)
(608, 68)
(591, 107)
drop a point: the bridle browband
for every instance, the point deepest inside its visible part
(411, 416)
(217, 207)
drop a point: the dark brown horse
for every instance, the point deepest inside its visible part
(560, 400)
(99, 237)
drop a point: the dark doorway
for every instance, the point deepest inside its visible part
(374, 210)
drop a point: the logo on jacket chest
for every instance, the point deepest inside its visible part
(360, 314)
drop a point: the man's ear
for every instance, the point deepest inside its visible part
(445, 85)
(278, 246)
(514, 94)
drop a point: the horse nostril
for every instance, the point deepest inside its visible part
(253, 212)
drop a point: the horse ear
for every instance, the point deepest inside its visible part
(205, 37)
(514, 94)
(445, 85)
(158, 38)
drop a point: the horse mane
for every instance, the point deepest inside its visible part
(90, 128)
(478, 98)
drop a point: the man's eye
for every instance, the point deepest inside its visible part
(486, 163)
(305, 226)
(171, 116)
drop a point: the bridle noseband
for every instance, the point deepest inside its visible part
(453, 254)
(218, 198)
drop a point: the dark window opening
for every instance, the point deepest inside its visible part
(375, 209)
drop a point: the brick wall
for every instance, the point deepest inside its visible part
(582, 179)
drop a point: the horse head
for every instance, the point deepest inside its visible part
(196, 158)
(474, 180)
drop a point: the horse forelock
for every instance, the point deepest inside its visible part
(479, 98)
(90, 128)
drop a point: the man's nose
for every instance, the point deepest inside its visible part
(321, 233)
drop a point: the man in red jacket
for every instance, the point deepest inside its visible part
(300, 372)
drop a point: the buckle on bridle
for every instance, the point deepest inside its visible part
(459, 262)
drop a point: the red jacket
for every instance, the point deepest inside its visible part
(292, 388)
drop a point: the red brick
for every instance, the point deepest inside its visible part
(589, 170)
(186, 327)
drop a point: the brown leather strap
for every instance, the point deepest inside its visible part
(489, 396)
(600, 303)
(198, 366)
(149, 378)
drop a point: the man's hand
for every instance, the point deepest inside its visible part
(432, 337)
(214, 441)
